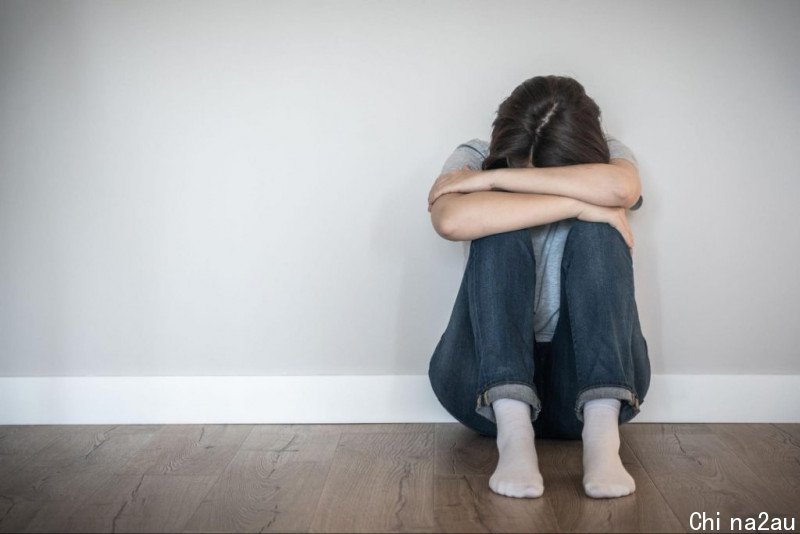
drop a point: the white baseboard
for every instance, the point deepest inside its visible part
(351, 399)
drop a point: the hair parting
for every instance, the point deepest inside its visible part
(548, 121)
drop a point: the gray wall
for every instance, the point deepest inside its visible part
(213, 188)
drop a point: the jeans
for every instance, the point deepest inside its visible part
(489, 351)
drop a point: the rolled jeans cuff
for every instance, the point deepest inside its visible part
(510, 390)
(608, 392)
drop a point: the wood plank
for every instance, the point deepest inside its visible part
(137, 429)
(374, 428)
(463, 463)
(465, 503)
(336, 429)
(99, 511)
(18, 443)
(790, 429)
(461, 451)
(19, 515)
(71, 465)
(770, 453)
(653, 513)
(188, 450)
(275, 437)
(94, 443)
(658, 429)
(272, 483)
(645, 510)
(696, 472)
(381, 482)
(55, 480)
(385, 477)
(144, 503)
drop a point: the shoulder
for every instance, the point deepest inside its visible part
(619, 150)
(469, 153)
(478, 145)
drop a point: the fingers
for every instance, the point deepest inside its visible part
(627, 234)
(625, 230)
(436, 190)
(433, 195)
(629, 237)
(621, 226)
(439, 186)
(432, 199)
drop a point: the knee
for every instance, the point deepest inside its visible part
(503, 251)
(597, 242)
(515, 240)
(587, 233)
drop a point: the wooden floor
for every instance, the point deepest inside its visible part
(379, 478)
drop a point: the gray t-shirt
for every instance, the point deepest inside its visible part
(548, 239)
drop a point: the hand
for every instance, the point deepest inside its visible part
(616, 217)
(463, 180)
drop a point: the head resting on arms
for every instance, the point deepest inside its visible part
(547, 121)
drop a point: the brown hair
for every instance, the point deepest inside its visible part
(549, 121)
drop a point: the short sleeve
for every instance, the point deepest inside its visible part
(464, 154)
(618, 150)
(471, 153)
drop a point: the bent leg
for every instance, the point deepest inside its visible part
(598, 350)
(486, 353)
(501, 274)
(599, 369)
(454, 367)
(599, 338)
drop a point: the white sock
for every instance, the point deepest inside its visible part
(603, 472)
(517, 473)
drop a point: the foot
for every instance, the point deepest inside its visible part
(517, 473)
(604, 476)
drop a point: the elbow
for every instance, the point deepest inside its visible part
(438, 220)
(445, 228)
(627, 186)
(628, 199)
(444, 224)
(448, 221)
(629, 195)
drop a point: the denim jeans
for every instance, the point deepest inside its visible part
(489, 351)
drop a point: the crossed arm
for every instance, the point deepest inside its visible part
(502, 200)
(614, 185)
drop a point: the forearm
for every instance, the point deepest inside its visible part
(596, 183)
(474, 215)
